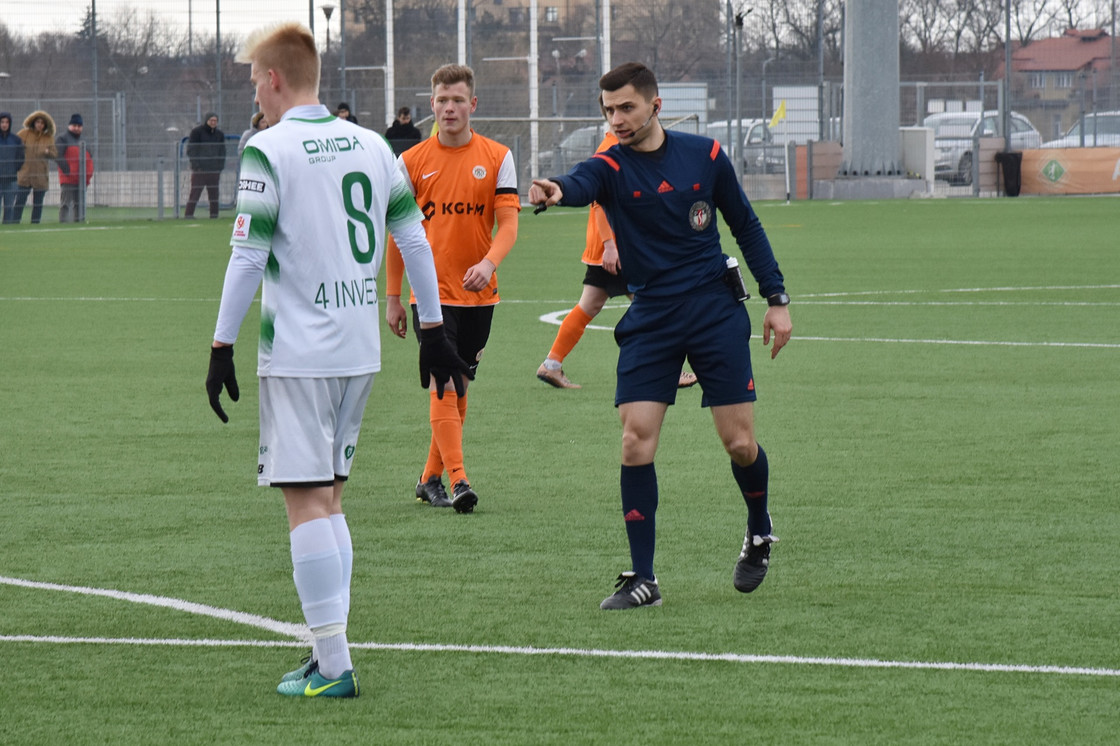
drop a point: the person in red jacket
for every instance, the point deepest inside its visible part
(72, 206)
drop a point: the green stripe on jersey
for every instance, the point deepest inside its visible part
(262, 206)
(402, 209)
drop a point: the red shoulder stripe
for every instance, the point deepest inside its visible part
(715, 150)
(613, 163)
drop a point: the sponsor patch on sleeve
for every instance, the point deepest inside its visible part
(241, 226)
(250, 185)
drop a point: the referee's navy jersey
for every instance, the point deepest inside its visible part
(662, 208)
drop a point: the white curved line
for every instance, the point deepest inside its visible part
(287, 629)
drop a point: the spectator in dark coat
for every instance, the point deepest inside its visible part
(206, 149)
(402, 134)
(11, 161)
(343, 112)
(72, 205)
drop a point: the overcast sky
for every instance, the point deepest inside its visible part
(24, 17)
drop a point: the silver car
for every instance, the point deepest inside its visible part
(954, 133)
(1102, 129)
(578, 145)
(761, 152)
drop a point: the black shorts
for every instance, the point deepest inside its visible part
(709, 328)
(597, 277)
(467, 328)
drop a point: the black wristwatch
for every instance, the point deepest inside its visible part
(778, 299)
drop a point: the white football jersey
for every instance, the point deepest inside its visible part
(317, 193)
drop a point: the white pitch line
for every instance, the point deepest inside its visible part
(85, 228)
(556, 317)
(109, 299)
(967, 342)
(1043, 288)
(959, 303)
(154, 642)
(592, 653)
(297, 631)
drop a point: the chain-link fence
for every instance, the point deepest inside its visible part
(146, 83)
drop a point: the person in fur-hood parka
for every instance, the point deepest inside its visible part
(38, 135)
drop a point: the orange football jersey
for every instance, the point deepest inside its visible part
(598, 229)
(458, 190)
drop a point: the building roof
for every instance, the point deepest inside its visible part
(1073, 51)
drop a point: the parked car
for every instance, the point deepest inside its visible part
(576, 146)
(1102, 129)
(718, 131)
(954, 133)
(761, 151)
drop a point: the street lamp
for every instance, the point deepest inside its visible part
(328, 11)
(765, 63)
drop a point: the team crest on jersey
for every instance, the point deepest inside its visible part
(479, 172)
(241, 225)
(700, 216)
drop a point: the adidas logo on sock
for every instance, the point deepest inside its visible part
(633, 515)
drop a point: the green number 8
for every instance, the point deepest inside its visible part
(359, 215)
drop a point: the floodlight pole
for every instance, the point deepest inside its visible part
(218, 53)
(731, 50)
(328, 11)
(1005, 115)
(390, 71)
(342, 45)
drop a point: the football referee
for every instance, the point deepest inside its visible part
(661, 191)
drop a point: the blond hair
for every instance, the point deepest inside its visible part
(287, 48)
(451, 74)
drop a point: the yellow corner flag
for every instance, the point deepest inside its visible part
(779, 115)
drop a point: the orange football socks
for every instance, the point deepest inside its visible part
(571, 329)
(447, 435)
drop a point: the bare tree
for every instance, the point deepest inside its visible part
(671, 36)
(1071, 13)
(926, 24)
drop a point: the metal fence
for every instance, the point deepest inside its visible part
(140, 169)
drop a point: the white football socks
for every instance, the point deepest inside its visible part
(317, 569)
(345, 554)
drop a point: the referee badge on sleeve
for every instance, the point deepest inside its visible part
(700, 216)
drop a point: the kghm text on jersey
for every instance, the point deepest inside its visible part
(347, 293)
(454, 208)
(323, 151)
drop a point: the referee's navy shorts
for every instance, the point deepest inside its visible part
(709, 328)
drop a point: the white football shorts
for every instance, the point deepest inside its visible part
(309, 428)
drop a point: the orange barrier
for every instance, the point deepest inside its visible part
(1071, 171)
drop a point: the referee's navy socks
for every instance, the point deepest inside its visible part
(639, 510)
(753, 482)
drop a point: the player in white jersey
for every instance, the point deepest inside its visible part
(315, 198)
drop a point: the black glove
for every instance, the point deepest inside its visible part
(439, 361)
(221, 374)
